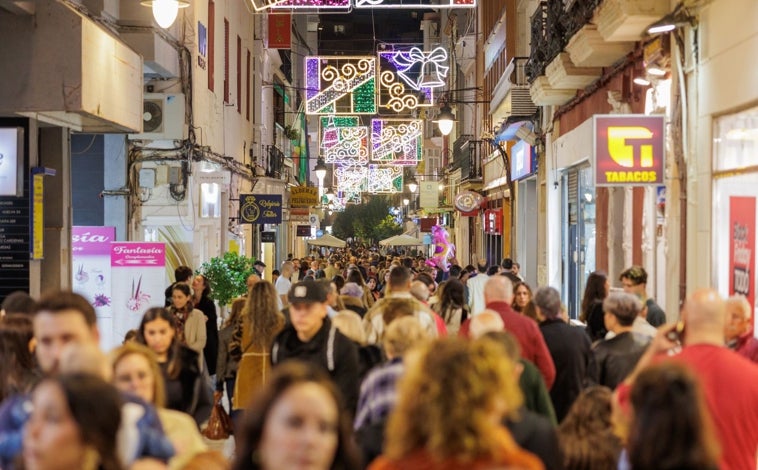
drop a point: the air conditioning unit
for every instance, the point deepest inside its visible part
(162, 117)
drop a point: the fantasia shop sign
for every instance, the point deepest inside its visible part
(629, 150)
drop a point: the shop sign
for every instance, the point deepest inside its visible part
(268, 237)
(279, 30)
(629, 150)
(11, 148)
(741, 257)
(522, 161)
(493, 221)
(91, 267)
(468, 203)
(38, 215)
(260, 209)
(303, 230)
(427, 223)
(429, 194)
(303, 196)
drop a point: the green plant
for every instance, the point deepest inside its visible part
(227, 276)
(291, 133)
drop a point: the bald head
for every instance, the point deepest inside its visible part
(485, 322)
(498, 289)
(704, 314)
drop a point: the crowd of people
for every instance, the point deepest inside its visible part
(363, 360)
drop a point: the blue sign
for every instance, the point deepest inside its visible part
(522, 161)
(319, 233)
(260, 209)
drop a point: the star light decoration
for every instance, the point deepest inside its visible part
(397, 141)
(408, 78)
(340, 85)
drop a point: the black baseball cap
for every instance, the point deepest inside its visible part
(307, 292)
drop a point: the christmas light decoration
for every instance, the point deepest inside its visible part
(350, 182)
(384, 179)
(408, 78)
(350, 146)
(415, 4)
(329, 125)
(301, 4)
(340, 85)
(397, 141)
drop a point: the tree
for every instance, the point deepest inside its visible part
(370, 222)
(227, 276)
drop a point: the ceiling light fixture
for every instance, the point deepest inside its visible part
(677, 18)
(656, 71)
(641, 81)
(165, 11)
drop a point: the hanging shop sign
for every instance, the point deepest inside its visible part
(429, 194)
(629, 150)
(268, 237)
(427, 223)
(741, 256)
(279, 30)
(303, 196)
(522, 161)
(303, 230)
(468, 203)
(260, 209)
(11, 161)
(493, 221)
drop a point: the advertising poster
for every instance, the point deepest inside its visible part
(741, 256)
(139, 282)
(91, 272)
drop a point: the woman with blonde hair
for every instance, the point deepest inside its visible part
(451, 403)
(136, 371)
(251, 342)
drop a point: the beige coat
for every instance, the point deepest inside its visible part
(194, 331)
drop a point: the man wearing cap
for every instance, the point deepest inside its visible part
(311, 337)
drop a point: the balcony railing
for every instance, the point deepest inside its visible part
(467, 155)
(274, 162)
(552, 28)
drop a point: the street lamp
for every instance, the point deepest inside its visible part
(320, 169)
(412, 184)
(445, 120)
(329, 195)
(165, 11)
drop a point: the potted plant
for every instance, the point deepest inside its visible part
(227, 276)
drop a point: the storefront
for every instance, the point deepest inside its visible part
(735, 179)
(524, 172)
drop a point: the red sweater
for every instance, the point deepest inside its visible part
(526, 331)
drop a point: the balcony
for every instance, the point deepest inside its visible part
(274, 162)
(467, 155)
(587, 48)
(626, 20)
(563, 74)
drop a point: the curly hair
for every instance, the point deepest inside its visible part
(447, 398)
(262, 315)
(585, 434)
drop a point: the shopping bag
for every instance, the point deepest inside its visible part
(219, 424)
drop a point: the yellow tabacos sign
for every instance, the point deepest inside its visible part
(629, 150)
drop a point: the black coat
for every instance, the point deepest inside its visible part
(210, 351)
(537, 435)
(329, 349)
(596, 321)
(616, 357)
(188, 392)
(574, 363)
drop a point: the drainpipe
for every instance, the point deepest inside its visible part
(680, 146)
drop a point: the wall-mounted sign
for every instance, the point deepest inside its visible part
(522, 161)
(303, 230)
(429, 194)
(268, 237)
(11, 161)
(303, 196)
(38, 215)
(629, 150)
(260, 209)
(468, 201)
(493, 221)
(427, 223)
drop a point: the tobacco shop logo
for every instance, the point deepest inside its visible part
(630, 150)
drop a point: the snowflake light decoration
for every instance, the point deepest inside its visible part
(397, 141)
(340, 85)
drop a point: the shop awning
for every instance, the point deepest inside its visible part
(510, 130)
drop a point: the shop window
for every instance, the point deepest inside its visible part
(735, 140)
(210, 200)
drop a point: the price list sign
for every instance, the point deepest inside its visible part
(14, 212)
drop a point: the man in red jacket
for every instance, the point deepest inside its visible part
(498, 296)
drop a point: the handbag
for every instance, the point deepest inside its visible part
(219, 424)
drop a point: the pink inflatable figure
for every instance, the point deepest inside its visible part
(443, 249)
